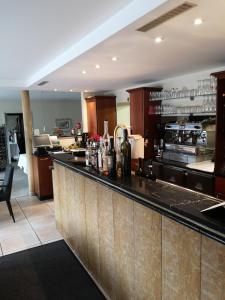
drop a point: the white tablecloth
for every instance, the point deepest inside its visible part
(14, 150)
(22, 163)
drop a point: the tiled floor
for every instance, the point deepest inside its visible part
(35, 224)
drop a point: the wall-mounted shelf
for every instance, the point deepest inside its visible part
(188, 114)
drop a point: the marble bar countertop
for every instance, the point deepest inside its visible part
(177, 203)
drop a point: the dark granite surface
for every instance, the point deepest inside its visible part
(180, 204)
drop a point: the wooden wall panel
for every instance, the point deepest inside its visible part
(148, 253)
(56, 194)
(212, 270)
(70, 208)
(91, 203)
(123, 210)
(59, 182)
(92, 117)
(79, 217)
(106, 240)
(181, 248)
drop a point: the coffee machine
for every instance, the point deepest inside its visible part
(188, 143)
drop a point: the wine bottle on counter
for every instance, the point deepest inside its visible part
(106, 135)
(105, 149)
(118, 159)
(94, 155)
(140, 171)
(125, 149)
(112, 158)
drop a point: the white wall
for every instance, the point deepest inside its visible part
(44, 111)
(123, 113)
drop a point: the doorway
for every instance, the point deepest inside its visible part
(15, 133)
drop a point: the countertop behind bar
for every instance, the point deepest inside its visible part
(177, 203)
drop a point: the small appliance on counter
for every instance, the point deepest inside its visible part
(40, 143)
(188, 143)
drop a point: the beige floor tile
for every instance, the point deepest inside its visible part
(28, 201)
(14, 228)
(48, 234)
(45, 228)
(41, 221)
(20, 241)
(5, 218)
(37, 211)
(51, 205)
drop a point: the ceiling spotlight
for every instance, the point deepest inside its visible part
(114, 58)
(198, 21)
(55, 90)
(97, 66)
(158, 39)
(71, 90)
(84, 72)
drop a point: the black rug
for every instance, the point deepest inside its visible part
(46, 272)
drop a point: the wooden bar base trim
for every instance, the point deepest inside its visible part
(131, 251)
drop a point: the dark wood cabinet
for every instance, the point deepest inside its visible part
(174, 175)
(43, 177)
(143, 117)
(201, 182)
(100, 108)
(220, 187)
(220, 125)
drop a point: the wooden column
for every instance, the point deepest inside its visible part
(143, 117)
(84, 112)
(27, 119)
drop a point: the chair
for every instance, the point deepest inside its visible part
(6, 187)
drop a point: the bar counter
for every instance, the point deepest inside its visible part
(140, 239)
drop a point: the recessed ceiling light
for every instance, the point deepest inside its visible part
(114, 58)
(55, 90)
(97, 66)
(158, 39)
(71, 90)
(84, 72)
(198, 21)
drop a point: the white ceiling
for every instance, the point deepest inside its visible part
(55, 42)
(33, 33)
(14, 95)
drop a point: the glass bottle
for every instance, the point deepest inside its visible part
(100, 152)
(94, 155)
(88, 154)
(78, 134)
(105, 169)
(118, 158)
(106, 135)
(139, 171)
(112, 158)
(125, 149)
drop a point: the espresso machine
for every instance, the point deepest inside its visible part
(188, 143)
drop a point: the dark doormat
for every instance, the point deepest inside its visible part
(46, 272)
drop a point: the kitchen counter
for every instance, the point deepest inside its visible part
(139, 239)
(177, 203)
